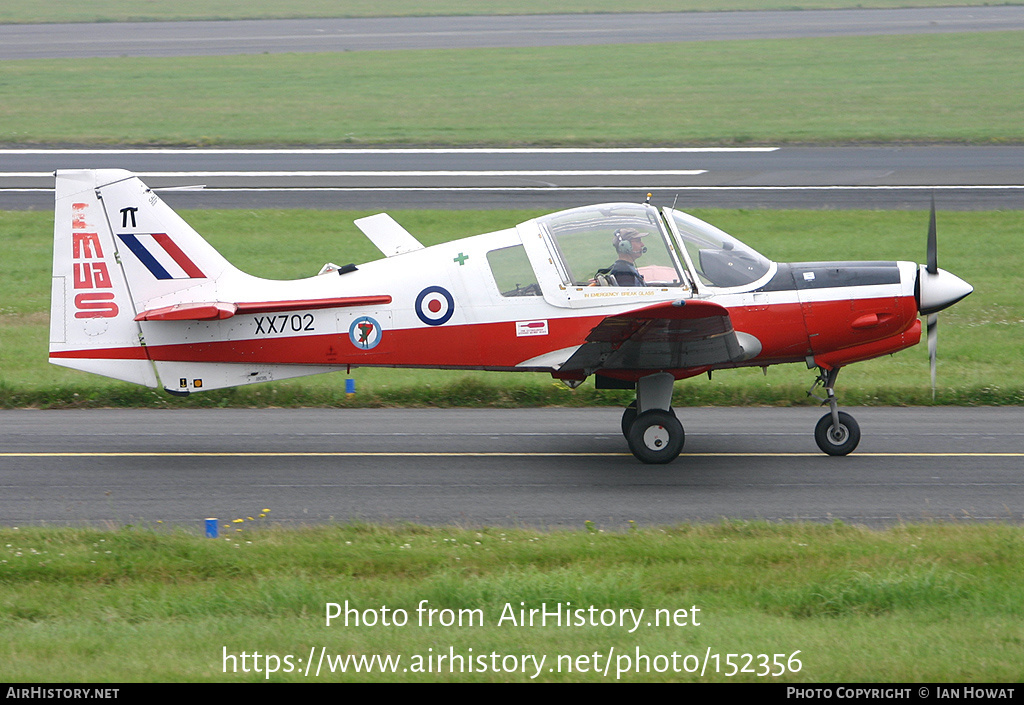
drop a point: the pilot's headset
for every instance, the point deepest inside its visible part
(624, 241)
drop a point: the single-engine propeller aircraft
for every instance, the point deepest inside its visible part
(636, 296)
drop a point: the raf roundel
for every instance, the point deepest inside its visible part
(435, 306)
(365, 333)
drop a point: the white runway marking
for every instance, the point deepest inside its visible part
(386, 173)
(409, 150)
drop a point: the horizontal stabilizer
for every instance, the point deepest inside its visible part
(389, 237)
(219, 310)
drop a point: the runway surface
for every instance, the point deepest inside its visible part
(399, 33)
(890, 177)
(534, 467)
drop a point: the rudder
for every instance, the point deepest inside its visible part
(118, 251)
(92, 326)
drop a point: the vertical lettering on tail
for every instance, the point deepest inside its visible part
(85, 245)
(90, 275)
(95, 306)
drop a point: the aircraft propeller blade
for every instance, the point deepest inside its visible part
(933, 345)
(933, 254)
(933, 319)
(936, 290)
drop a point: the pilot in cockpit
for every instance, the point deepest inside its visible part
(630, 247)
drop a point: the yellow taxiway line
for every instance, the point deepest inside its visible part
(467, 454)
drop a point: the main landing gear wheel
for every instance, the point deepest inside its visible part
(629, 416)
(837, 440)
(656, 437)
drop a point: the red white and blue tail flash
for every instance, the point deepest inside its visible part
(161, 255)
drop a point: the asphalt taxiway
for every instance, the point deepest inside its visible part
(530, 467)
(870, 177)
(198, 38)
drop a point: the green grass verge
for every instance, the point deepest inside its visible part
(944, 87)
(980, 339)
(25, 11)
(914, 603)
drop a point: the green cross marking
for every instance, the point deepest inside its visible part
(461, 259)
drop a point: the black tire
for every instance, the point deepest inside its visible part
(839, 441)
(629, 416)
(656, 437)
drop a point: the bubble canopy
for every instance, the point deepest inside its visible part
(719, 259)
(668, 248)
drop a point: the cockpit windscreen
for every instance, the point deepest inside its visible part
(613, 245)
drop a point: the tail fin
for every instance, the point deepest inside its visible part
(118, 250)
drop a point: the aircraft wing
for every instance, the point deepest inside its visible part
(666, 336)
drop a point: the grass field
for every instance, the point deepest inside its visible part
(979, 344)
(23, 11)
(956, 88)
(925, 603)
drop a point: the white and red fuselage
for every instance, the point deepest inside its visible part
(139, 295)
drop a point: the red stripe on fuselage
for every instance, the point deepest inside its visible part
(132, 353)
(781, 329)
